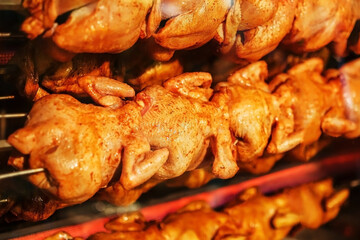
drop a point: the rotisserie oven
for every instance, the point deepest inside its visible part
(163, 119)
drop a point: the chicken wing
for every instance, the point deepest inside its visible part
(88, 75)
(45, 12)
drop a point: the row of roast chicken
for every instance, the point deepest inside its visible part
(182, 129)
(241, 29)
(250, 216)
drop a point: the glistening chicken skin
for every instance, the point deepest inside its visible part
(246, 30)
(252, 109)
(80, 145)
(251, 216)
(101, 30)
(99, 76)
(166, 130)
(84, 143)
(334, 22)
(186, 124)
(310, 105)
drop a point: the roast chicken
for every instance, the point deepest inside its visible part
(60, 136)
(98, 76)
(187, 125)
(168, 130)
(350, 78)
(309, 205)
(309, 106)
(245, 30)
(155, 123)
(58, 124)
(253, 110)
(103, 26)
(252, 44)
(334, 23)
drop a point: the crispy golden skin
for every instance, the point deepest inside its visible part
(61, 135)
(252, 109)
(180, 118)
(309, 106)
(253, 112)
(89, 29)
(99, 76)
(251, 216)
(334, 23)
(246, 30)
(275, 216)
(254, 43)
(189, 30)
(350, 78)
(167, 130)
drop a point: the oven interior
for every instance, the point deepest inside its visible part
(341, 161)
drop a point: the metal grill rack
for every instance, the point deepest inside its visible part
(12, 107)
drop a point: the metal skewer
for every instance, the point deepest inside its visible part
(7, 97)
(13, 115)
(21, 173)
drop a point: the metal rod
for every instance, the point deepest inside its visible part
(13, 115)
(21, 173)
(5, 34)
(3, 200)
(4, 145)
(7, 97)
(10, 5)
(10, 2)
